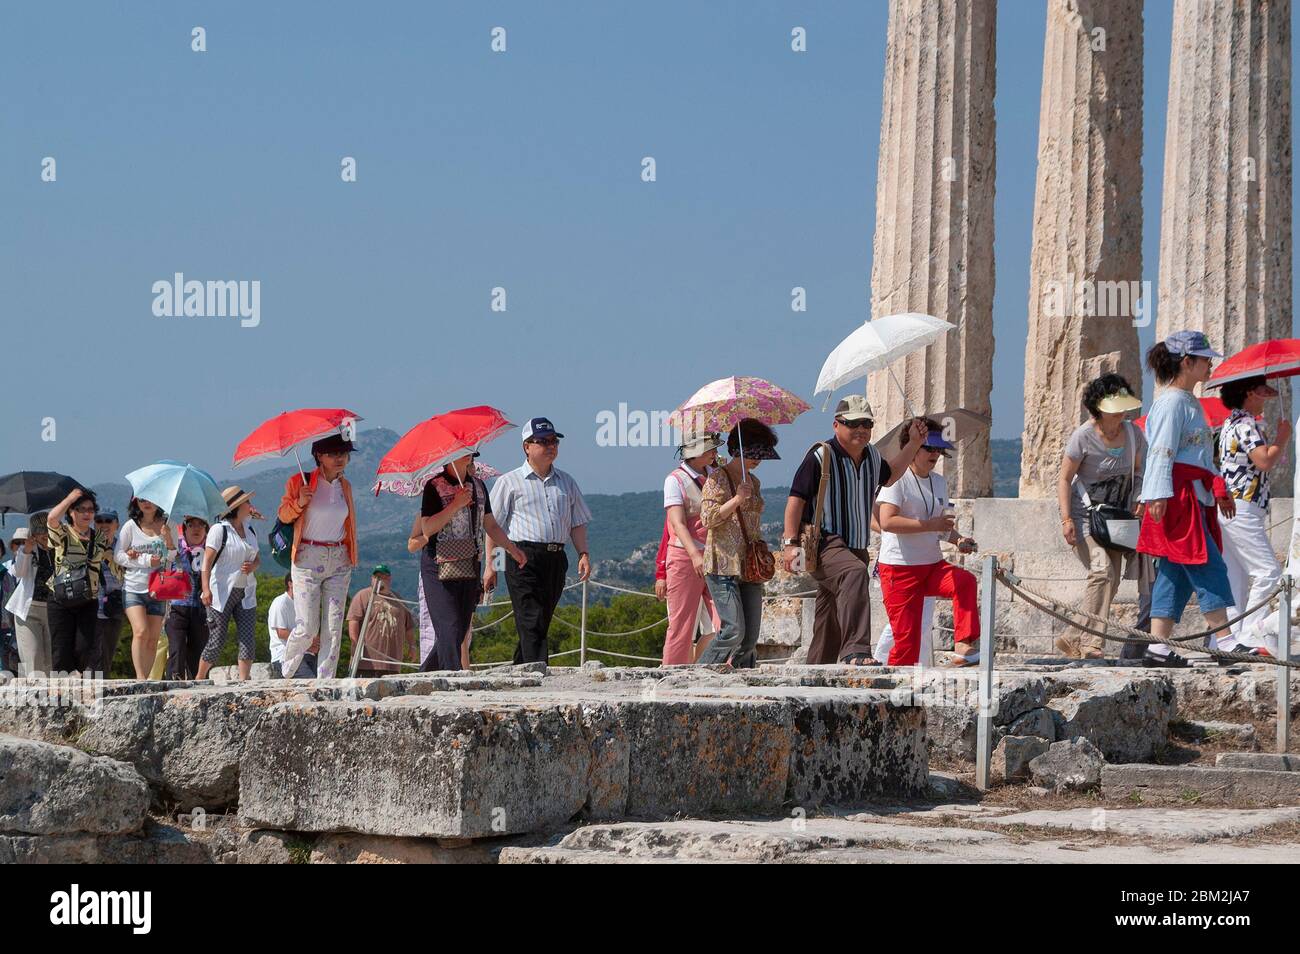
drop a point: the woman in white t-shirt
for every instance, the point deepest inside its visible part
(144, 544)
(684, 555)
(230, 560)
(913, 520)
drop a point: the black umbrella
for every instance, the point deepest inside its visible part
(31, 491)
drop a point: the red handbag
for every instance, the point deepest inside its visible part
(169, 585)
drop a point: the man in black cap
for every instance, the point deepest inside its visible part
(541, 509)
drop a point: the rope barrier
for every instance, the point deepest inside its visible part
(610, 652)
(592, 632)
(621, 589)
(499, 619)
(1137, 636)
(1007, 578)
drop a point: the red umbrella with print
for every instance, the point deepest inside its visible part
(429, 445)
(1276, 358)
(282, 434)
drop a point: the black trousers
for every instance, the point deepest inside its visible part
(451, 607)
(187, 634)
(74, 638)
(535, 589)
(110, 633)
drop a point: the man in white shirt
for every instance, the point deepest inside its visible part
(914, 516)
(280, 620)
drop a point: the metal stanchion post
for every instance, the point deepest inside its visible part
(984, 724)
(582, 629)
(359, 649)
(1284, 672)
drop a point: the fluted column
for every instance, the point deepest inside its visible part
(934, 214)
(1225, 226)
(1085, 275)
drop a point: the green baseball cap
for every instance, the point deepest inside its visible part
(381, 568)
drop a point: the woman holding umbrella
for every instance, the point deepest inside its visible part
(1180, 490)
(455, 512)
(1246, 457)
(731, 509)
(324, 553)
(144, 543)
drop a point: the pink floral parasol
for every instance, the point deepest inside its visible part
(722, 404)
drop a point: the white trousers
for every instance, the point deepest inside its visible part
(886, 643)
(1253, 570)
(320, 590)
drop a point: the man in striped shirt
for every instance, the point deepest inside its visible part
(842, 622)
(541, 509)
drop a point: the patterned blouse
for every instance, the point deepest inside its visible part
(724, 550)
(69, 550)
(1240, 435)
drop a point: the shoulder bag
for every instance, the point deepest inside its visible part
(810, 537)
(1113, 525)
(757, 563)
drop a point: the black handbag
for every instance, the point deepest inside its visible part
(71, 585)
(1112, 525)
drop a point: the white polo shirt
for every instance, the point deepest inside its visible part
(918, 498)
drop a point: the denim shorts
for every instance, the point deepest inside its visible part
(151, 606)
(1175, 583)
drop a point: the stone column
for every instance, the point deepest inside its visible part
(1225, 227)
(934, 214)
(1085, 276)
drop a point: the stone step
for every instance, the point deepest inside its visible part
(1268, 761)
(484, 764)
(1196, 784)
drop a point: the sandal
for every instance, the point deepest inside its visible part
(859, 659)
(958, 661)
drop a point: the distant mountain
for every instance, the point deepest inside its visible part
(625, 528)
(1006, 467)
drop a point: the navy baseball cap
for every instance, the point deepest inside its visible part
(1191, 342)
(540, 427)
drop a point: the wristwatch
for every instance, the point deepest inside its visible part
(790, 542)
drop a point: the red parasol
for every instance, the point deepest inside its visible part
(284, 432)
(432, 443)
(1277, 358)
(1216, 412)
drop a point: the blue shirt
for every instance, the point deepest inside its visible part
(530, 508)
(1177, 433)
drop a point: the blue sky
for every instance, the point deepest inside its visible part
(475, 169)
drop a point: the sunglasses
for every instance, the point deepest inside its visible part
(546, 441)
(865, 424)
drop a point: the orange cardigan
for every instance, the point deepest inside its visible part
(290, 511)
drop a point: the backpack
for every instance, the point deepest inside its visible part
(281, 538)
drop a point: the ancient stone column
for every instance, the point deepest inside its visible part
(1225, 227)
(1085, 276)
(934, 214)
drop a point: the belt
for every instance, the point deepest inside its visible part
(548, 547)
(318, 543)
